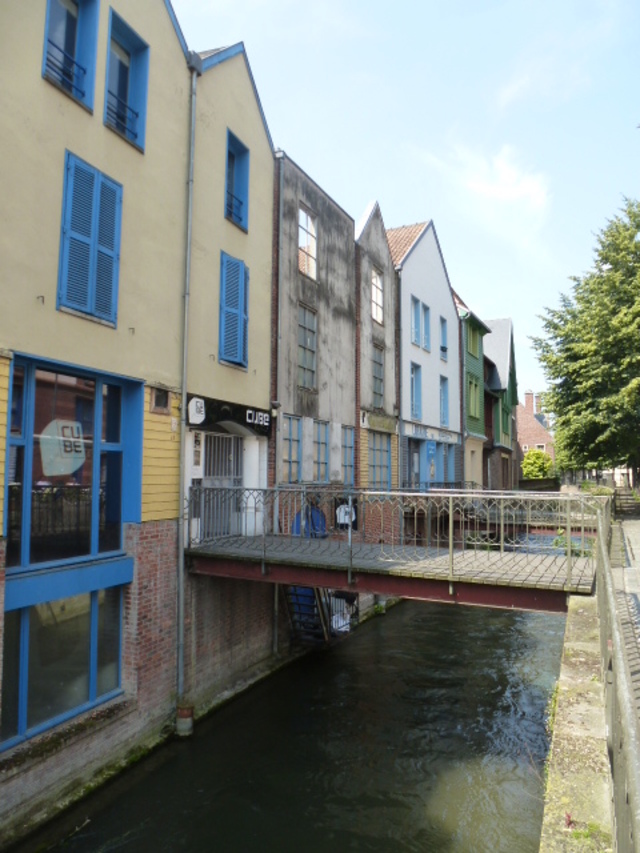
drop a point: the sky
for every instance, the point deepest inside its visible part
(512, 124)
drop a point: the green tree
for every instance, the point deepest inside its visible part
(536, 465)
(590, 352)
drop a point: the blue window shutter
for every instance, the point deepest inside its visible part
(232, 310)
(245, 320)
(77, 235)
(108, 249)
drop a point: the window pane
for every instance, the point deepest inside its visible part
(14, 525)
(111, 413)
(17, 402)
(110, 501)
(62, 467)
(59, 642)
(108, 640)
(10, 675)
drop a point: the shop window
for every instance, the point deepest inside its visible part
(291, 448)
(379, 460)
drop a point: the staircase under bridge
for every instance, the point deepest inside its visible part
(495, 549)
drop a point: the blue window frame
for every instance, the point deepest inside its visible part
(416, 392)
(70, 46)
(348, 455)
(426, 327)
(321, 451)
(237, 182)
(443, 339)
(444, 401)
(125, 103)
(378, 377)
(291, 447)
(90, 241)
(379, 460)
(234, 311)
(61, 658)
(74, 454)
(415, 321)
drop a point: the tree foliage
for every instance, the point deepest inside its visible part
(590, 352)
(536, 465)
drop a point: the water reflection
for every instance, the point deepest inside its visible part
(424, 732)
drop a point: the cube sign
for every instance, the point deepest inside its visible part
(61, 448)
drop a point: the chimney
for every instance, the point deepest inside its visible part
(528, 401)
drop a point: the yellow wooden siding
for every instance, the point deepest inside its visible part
(160, 461)
(5, 364)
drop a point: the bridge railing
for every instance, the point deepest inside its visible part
(617, 642)
(399, 525)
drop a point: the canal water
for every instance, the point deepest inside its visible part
(424, 731)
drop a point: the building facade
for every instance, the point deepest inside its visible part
(315, 303)
(430, 417)
(93, 257)
(377, 387)
(500, 470)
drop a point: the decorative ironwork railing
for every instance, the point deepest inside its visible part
(64, 70)
(121, 116)
(405, 526)
(234, 207)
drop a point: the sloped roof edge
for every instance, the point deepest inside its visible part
(213, 58)
(177, 27)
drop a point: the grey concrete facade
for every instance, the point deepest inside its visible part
(316, 328)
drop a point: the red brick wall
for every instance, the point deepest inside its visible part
(229, 630)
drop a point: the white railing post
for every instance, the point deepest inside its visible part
(451, 537)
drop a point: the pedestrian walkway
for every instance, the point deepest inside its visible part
(626, 574)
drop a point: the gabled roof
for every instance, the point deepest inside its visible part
(212, 58)
(464, 311)
(498, 346)
(365, 218)
(402, 240)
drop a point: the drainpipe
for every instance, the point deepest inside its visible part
(184, 714)
(279, 156)
(463, 326)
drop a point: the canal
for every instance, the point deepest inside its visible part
(424, 731)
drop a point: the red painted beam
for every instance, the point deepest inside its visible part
(400, 586)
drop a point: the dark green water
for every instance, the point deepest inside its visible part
(425, 731)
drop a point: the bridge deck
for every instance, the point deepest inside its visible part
(478, 576)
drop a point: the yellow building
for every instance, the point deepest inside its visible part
(94, 126)
(230, 305)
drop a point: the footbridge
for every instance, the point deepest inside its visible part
(495, 549)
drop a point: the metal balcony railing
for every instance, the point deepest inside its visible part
(234, 207)
(63, 69)
(122, 116)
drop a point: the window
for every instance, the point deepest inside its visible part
(307, 321)
(160, 401)
(473, 400)
(473, 341)
(444, 401)
(426, 327)
(506, 419)
(540, 447)
(237, 186)
(415, 321)
(378, 377)
(307, 243)
(70, 47)
(90, 241)
(416, 392)
(60, 657)
(347, 455)
(127, 79)
(291, 443)
(379, 460)
(74, 479)
(234, 311)
(377, 297)
(321, 451)
(443, 339)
